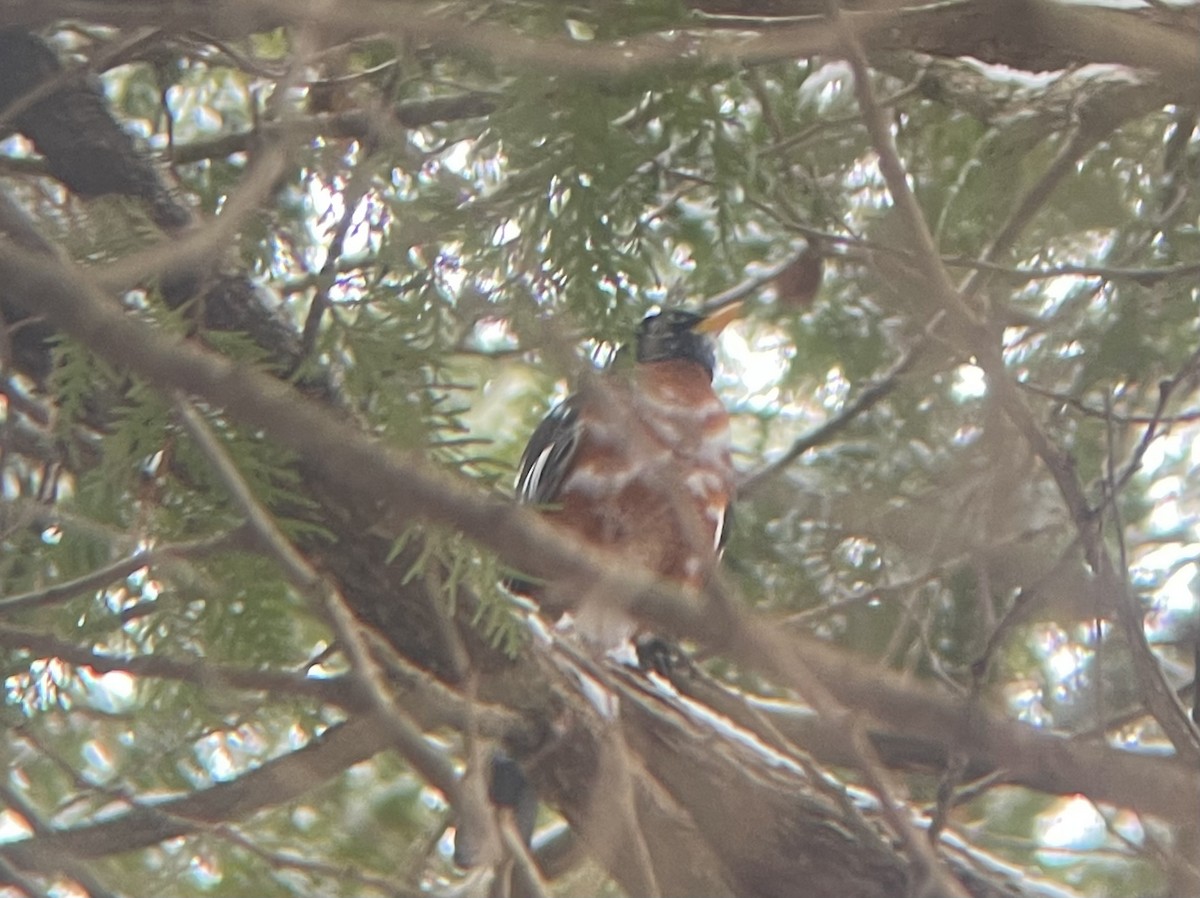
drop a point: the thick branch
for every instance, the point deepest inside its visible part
(1036, 35)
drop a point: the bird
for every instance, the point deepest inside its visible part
(637, 462)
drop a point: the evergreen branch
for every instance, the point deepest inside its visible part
(428, 761)
(978, 339)
(947, 500)
(413, 490)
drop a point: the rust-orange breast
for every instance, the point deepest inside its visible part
(652, 477)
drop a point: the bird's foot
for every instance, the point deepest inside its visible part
(657, 655)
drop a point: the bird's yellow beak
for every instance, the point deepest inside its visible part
(716, 322)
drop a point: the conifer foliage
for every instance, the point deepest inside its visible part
(284, 288)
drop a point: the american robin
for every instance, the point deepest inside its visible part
(637, 462)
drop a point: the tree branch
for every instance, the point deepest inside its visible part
(119, 570)
(335, 691)
(275, 782)
(412, 490)
(1035, 35)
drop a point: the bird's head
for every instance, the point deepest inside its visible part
(675, 335)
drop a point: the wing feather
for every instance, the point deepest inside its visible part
(544, 466)
(547, 458)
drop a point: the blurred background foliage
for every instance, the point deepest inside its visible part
(483, 263)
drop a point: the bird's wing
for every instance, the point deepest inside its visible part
(723, 528)
(547, 458)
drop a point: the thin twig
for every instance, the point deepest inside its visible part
(334, 691)
(1075, 402)
(437, 700)
(1165, 389)
(11, 875)
(1144, 276)
(746, 288)
(934, 878)
(119, 570)
(205, 242)
(518, 852)
(72, 868)
(754, 483)
(338, 873)
(611, 816)
(614, 791)
(1077, 146)
(352, 196)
